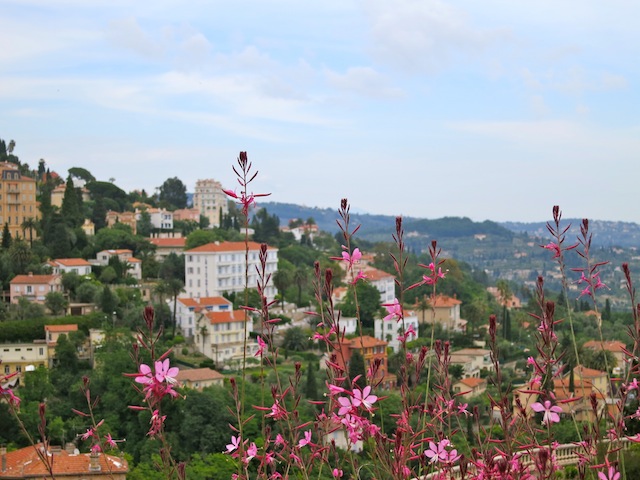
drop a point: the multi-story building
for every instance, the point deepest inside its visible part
(17, 199)
(124, 255)
(187, 215)
(161, 218)
(219, 267)
(221, 335)
(126, 218)
(166, 245)
(21, 357)
(390, 330)
(34, 287)
(189, 309)
(210, 200)
(372, 350)
(444, 310)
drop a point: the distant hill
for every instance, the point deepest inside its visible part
(605, 233)
(380, 227)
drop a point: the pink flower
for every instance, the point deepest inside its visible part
(261, 346)
(353, 258)
(550, 412)
(363, 397)
(438, 452)
(164, 373)
(359, 276)
(251, 452)
(145, 377)
(345, 406)
(612, 474)
(234, 445)
(337, 473)
(394, 310)
(306, 440)
(554, 248)
(110, 441)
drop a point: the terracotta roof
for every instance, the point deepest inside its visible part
(133, 260)
(366, 342)
(226, 316)
(374, 274)
(72, 262)
(445, 301)
(473, 382)
(31, 279)
(198, 375)
(204, 301)
(61, 328)
(610, 345)
(169, 242)
(25, 463)
(588, 372)
(225, 247)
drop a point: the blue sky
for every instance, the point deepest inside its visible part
(491, 110)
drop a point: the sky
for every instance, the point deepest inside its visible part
(491, 110)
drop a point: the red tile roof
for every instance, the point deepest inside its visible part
(169, 242)
(72, 262)
(61, 328)
(215, 247)
(34, 279)
(374, 274)
(227, 316)
(445, 301)
(473, 382)
(611, 346)
(25, 463)
(204, 301)
(198, 375)
(366, 341)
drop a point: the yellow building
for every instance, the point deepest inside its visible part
(17, 199)
(23, 357)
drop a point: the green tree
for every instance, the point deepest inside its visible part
(6, 237)
(143, 225)
(71, 205)
(357, 368)
(55, 302)
(311, 386)
(173, 193)
(82, 174)
(296, 339)
(87, 292)
(108, 301)
(30, 224)
(20, 256)
(368, 301)
(198, 238)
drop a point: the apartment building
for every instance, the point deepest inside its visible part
(218, 267)
(161, 218)
(126, 218)
(17, 199)
(391, 330)
(22, 357)
(221, 335)
(210, 200)
(124, 255)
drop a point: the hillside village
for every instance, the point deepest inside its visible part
(80, 259)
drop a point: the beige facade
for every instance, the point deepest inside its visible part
(17, 199)
(19, 358)
(210, 200)
(221, 335)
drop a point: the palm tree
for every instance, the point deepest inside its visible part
(175, 287)
(30, 224)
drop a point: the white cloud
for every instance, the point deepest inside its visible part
(424, 35)
(364, 81)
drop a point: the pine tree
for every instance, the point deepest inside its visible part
(311, 389)
(356, 369)
(6, 237)
(71, 211)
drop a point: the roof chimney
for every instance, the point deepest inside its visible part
(69, 447)
(94, 462)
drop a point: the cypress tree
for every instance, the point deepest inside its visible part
(311, 388)
(6, 237)
(356, 368)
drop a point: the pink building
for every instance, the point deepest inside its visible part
(34, 287)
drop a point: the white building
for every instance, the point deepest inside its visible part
(383, 281)
(221, 335)
(189, 309)
(210, 200)
(134, 266)
(389, 330)
(70, 265)
(218, 267)
(161, 218)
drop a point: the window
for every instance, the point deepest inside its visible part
(7, 369)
